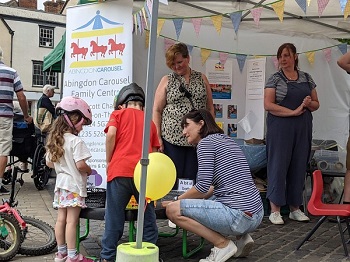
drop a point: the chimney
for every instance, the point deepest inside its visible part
(54, 7)
(29, 4)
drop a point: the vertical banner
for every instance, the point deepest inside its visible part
(98, 64)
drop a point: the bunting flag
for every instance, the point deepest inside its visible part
(327, 54)
(148, 12)
(275, 62)
(160, 25)
(197, 22)
(223, 57)
(241, 61)
(149, 5)
(302, 4)
(256, 13)
(147, 39)
(342, 4)
(310, 57)
(236, 20)
(139, 25)
(343, 48)
(178, 26)
(347, 10)
(190, 48)
(321, 6)
(217, 22)
(144, 17)
(278, 7)
(168, 43)
(135, 24)
(205, 53)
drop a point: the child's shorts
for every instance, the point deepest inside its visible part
(64, 198)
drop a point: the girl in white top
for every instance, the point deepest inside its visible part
(67, 154)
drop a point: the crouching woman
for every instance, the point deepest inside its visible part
(224, 201)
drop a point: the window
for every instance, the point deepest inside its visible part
(46, 36)
(38, 75)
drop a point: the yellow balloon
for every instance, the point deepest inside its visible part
(161, 176)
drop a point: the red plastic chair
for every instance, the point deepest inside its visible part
(317, 208)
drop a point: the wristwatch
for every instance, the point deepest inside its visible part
(176, 198)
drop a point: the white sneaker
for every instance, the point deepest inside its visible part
(221, 254)
(244, 246)
(171, 224)
(298, 216)
(276, 218)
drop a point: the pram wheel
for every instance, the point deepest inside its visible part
(41, 172)
(7, 177)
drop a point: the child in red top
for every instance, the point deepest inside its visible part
(123, 151)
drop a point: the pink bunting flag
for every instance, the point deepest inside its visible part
(256, 13)
(168, 43)
(321, 6)
(149, 5)
(223, 57)
(197, 22)
(275, 62)
(327, 54)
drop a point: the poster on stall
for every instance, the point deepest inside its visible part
(220, 78)
(98, 64)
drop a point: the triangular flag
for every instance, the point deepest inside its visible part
(342, 4)
(147, 39)
(197, 22)
(168, 43)
(310, 57)
(327, 54)
(139, 23)
(190, 48)
(135, 24)
(241, 61)
(144, 17)
(223, 57)
(178, 26)
(148, 12)
(149, 5)
(343, 48)
(278, 7)
(256, 13)
(275, 62)
(302, 4)
(236, 20)
(217, 21)
(205, 53)
(321, 6)
(347, 10)
(160, 25)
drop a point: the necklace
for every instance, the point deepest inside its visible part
(293, 77)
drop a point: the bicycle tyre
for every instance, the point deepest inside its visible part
(10, 244)
(39, 238)
(41, 172)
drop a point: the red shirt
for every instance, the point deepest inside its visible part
(128, 144)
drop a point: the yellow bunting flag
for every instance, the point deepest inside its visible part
(278, 7)
(347, 10)
(147, 39)
(135, 24)
(217, 21)
(205, 53)
(160, 26)
(310, 57)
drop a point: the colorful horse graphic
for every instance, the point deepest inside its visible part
(78, 50)
(97, 49)
(116, 47)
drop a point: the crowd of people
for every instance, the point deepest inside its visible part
(223, 206)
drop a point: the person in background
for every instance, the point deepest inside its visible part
(10, 83)
(123, 151)
(344, 63)
(67, 154)
(45, 105)
(290, 97)
(224, 201)
(177, 94)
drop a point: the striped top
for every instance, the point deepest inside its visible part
(9, 83)
(221, 163)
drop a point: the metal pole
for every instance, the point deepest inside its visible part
(148, 117)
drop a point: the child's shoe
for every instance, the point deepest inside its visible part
(60, 257)
(79, 258)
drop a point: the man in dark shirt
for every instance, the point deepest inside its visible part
(44, 105)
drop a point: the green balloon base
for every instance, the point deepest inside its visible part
(127, 252)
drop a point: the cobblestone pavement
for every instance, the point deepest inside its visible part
(272, 242)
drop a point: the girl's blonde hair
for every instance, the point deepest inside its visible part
(55, 140)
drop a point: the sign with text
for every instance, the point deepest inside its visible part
(185, 184)
(98, 64)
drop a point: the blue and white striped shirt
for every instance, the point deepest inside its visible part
(9, 83)
(221, 163)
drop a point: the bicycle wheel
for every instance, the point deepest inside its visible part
(39, 238)
(10, 237)
(41, 172)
